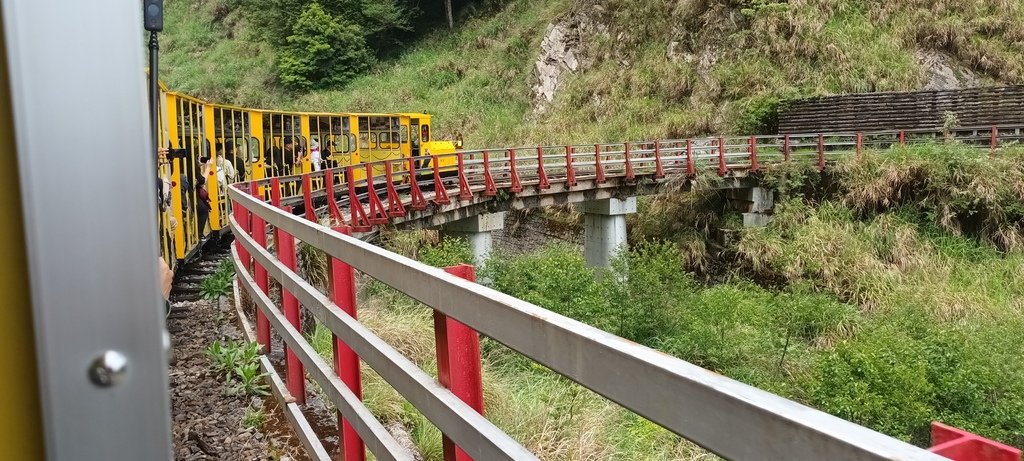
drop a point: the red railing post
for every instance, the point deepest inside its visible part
(490, 189)
(332, 202)
(821, 152)
(259, 234)
(513, 172)
(598, 169)
(960, 445)
(785, 148)
(721, 157)
(995, 139)
(346, 363)
(753, 153)
(860, 143)
(630, 176)
(416, 202)
(659, 170)
(242, 218)
(570, 172)
(690, 169)
(307, 197)
(395, 207)
(275, 192)
(355, 207)
(440, 193)
(295, 375)
(377, 215)
(903, 137)
(542, 176)
(464, 193)
(458, 362)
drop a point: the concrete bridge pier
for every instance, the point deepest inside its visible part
(755, 203)
(604, 231)
(477, 231)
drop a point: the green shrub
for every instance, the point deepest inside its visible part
(323, 51)
(645, 290)
(449, 252)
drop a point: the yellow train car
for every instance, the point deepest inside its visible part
(216, 145)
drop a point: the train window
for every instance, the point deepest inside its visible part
(350, 143)
(397, 138)
(415, 131)
(425, 133)
(404, 133)
(384, 139)
(373, 140)
(364, 140)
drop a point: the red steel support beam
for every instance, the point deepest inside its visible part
(514, 172)
(275, 192)
(464, 193)
(307, 197)
(490, 189)
(542, 177)
(359, 222)
(417, 202)
(440, 193)
(395, 207)
(598, 169)
(690, 170)
(570, 172)
(959, 445)
(721, 157)
(346, 363)
(332, 202)
(458, 362)
(785, 148)
(630, 176)
(821, 152)
(659, 170)
(753, 153)
(377, 215)
(295, 374)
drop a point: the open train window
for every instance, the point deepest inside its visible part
(350, 142)
(425, 133)
(404, 133)
(364, 140)
(373, 140)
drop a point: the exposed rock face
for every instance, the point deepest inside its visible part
(560, 53)
(943, 73)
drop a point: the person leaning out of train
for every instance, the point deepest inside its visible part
(202, 206)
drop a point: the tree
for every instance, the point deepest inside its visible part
(323, 51)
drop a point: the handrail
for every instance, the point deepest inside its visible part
(732, 419)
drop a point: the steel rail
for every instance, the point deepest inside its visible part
(725, 416)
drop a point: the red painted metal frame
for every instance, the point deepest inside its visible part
(598, 169)
(395, 207)
(570, 171)
(513, 172)
(860, 143)
(821, 152)
(416, 202)
(542, 176)
(465, 194)
(295, 374)
(458, 362)
(630, 175)
(903, 137)
(490, 190)
(307, 197)
(753, 153)
(242, 217)
(377, 215)
(721, 157)
(785, 148)
(995, 138)
(275, 192)
(959, 445)
(659, 170)
(440, 193)
(690, 170)
(259, 234)
(332, 202)
(346, 363)
(359, 221)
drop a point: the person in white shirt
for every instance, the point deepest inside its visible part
(314, 154)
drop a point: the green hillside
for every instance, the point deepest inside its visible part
(643, 68)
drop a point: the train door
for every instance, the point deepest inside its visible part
(256, 158)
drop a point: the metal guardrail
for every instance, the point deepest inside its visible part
(727, 417)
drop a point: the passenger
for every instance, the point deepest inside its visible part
(314, 155)
(236, 160)
(326, 156)
(202, 206)
(225, 170)
(281, 160)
